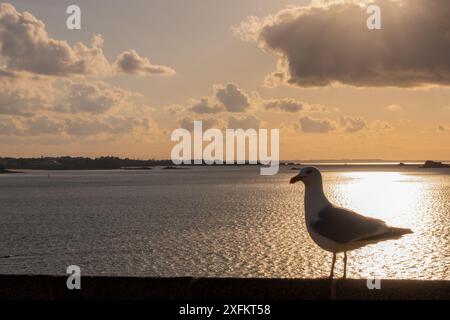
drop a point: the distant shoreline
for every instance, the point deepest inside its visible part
(114, 163)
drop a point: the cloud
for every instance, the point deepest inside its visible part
(90, 97)
(29, 126)
(37, 89)
(227, 97)
(287, 105)
(380, 126)
(188, 123)
(328, 43)
(351, 125)
(249, 29)
(250, 122)
(131, 62)
(108, 125)
(233, 98)
(345, 124)
(31, 97)
(203, 106)
(42, 125)
(28, 47)
(9, 127)
(39, 106)
(23, 97)
(317, 108)
(311, 125)
(79, 126)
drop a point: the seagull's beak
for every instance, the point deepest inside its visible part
(296, 179)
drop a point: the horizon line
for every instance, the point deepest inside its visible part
(284, 160)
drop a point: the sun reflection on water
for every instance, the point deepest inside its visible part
(402, 200)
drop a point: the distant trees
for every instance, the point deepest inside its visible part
(78, 163)
(2, 167)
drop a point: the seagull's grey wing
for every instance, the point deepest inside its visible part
(343, 226)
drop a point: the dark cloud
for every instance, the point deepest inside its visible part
(132, 63)
(204, 106)
(287, 105)
(325, 44)
(311, 125)
(233, 98)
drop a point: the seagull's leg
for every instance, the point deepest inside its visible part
(332, 265)
(345, 265)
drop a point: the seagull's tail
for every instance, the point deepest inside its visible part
(392, 233)
(399, 232)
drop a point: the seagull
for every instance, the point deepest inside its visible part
(336, 229)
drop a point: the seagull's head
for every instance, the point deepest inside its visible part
(308, 175)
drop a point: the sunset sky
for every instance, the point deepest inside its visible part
(139, 69)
